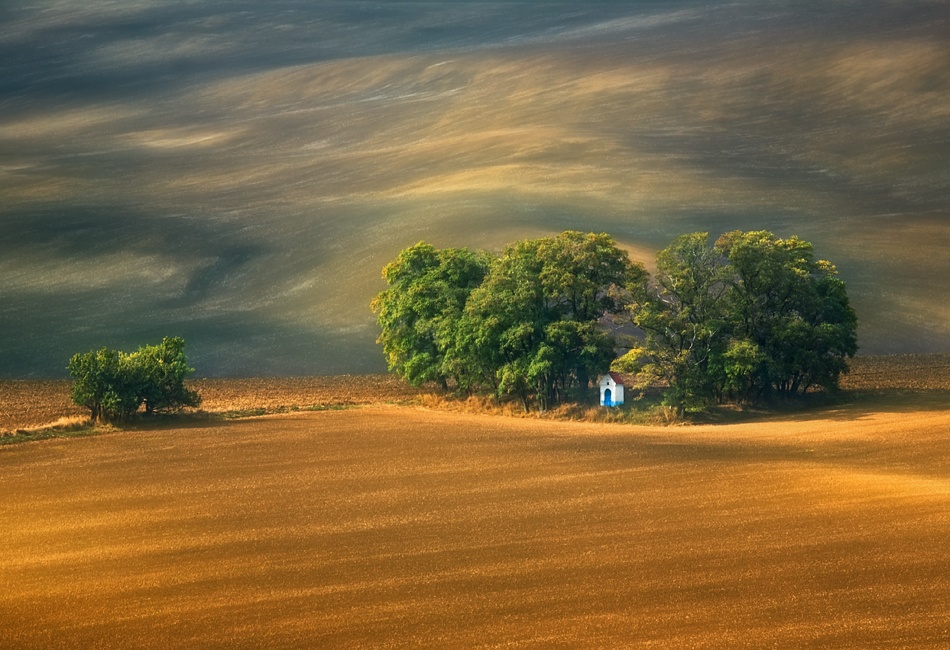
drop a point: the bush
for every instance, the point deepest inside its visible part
(113, 385)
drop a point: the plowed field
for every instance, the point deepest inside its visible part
(394, 526)
(915, 372)
(25, 403)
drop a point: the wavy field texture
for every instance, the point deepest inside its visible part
(238, 172)
(398, 527)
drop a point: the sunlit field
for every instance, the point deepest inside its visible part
(394, 526)
(238, 173)
(386, 524)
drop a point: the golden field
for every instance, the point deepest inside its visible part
(396, 526)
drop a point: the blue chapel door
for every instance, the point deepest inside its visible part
(608, 397)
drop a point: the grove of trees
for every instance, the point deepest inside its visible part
(746, 319)
(113, 385)
(524, 323)
(749, 318)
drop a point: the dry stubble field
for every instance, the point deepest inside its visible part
(395, 526)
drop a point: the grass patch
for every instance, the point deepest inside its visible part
(648, 410)
(81, 426)
(892, 383)
(237, 414)
(645, 410)
(65, 427)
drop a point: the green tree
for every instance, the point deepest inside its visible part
(523, 324)
(105, 383)
(738, 366)
(751, 317)
(160, 372)
(419, 311)
(792, 308)
(113, 385)
(531, 329)
(681, 315)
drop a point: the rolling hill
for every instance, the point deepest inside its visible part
(399, 527)
(237, 173)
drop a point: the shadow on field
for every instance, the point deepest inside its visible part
(860, 405)
(847, 406)
(722, 457)
(624, 450)
(199, 420)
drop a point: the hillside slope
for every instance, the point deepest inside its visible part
(390, 526)
(237, 173)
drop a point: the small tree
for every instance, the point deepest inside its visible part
(113, 384)
(160, 372)
(419, 311)
(105, 383)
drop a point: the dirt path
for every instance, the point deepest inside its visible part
(397, 527)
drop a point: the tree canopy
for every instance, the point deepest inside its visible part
(528, 327)
(420, 310)
(792, 308)
(752, 317)
(682, 317)
(748, 318)
(113, 385)
(532, 327)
